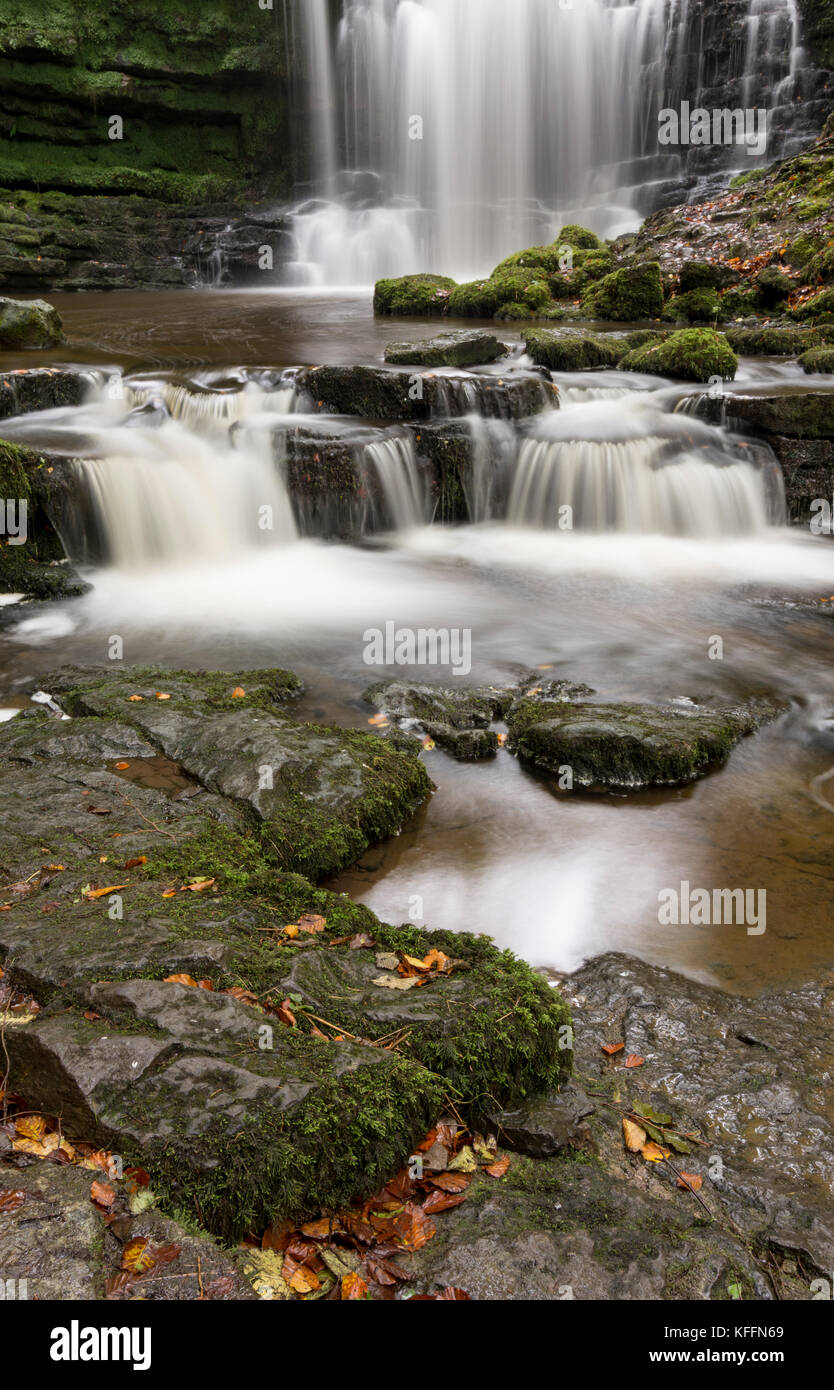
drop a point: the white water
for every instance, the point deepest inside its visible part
(449, 133)
(393, 463)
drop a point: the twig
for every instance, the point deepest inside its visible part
(169, 833)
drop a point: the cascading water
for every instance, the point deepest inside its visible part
(450, 133)
(393, 464)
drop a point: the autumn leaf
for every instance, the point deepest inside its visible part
(180, 980)
(134, 698)
(451, 1182)
(138, 1256)
(94, 893)
(31, 1127)
(442, 1201)
(122, 767)
(354, 1286)
(633, 1060)
(653, 1153)
(452, 1293)
(102, 1194)
(379, 721)
(170, 893)
(413, 1228)
(136, 863)
(610, 1049)
(311, 922)
(690, 1182)
(11, 1199)
(198, 885)
(286, 1015)
(497, 1170)
(160, 695)
(634, 1135)
(238, 693)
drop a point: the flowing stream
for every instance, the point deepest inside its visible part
(201, 552)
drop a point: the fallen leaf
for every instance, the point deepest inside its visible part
(180, 980)
(136, 863)
(634, 1135)
(690, 1182)
(134, 698)
(311, 922)
(653, 1153)
(453, 1293)
(611, 1048)
(238, 693)
(11, 1199)
(160, 695)
(464, 1162)
(198, 886)
(451, 1182)
(354, 1286)
(633, 1060)
(396, 981)
(31, 1127)
(91, 1016)
(138, 1256)
(93, 893)
(379, 721)
(170, 893)
(122, 767)
(442, 1201)
(497, 1170)
(102, 1194)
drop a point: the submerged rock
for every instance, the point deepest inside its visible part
(628, 746)
(42, 388)
(29, 323)
(447, 350)
(376, 393)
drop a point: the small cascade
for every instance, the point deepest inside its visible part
(170, 495)
(395, 477)
(774, 54)
(494, 449)
(213, 409)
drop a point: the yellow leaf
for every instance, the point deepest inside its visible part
(634, 1135)
(238, 693)
(653, 1153)
(161, 696)
(93, 893)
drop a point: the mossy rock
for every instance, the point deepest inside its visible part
(629, 746)
(695, 306)
(578, 237)
(483, 298)
(516, 313)
(29, 323)
(772, 342)
(545, 258)
(414, 295)
(694, 354)
(573, 352)
(632, 293)
(819, 309)
(457, 720)
(774, 286)
(467, 349)
(327, 794)
(701, 275)
(818, 360)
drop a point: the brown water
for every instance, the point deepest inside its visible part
(497, 849)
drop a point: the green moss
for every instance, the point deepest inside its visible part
(483, 298)
(570, 352)
(535, 257)
(635, 292)
(772, 342)
(750, 176)
(515, 313)
(819, 309)
(694, 354)
(695, 306)
(579, 237)
(818, 360)
(414, 295)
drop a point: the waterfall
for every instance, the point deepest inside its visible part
(494, 448)
(168, 494)
(449, 133)
(211, 409)
(392, 464)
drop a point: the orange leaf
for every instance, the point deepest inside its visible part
(31, 1127)
(198, 887)
(102, 892)
(170, 893)
(497, 1170)
(11, 1198)
(122, 767)
(634, 1061)
(311, 922)
(238, 693)
(354, 1286)
(611, 1048)
(135, 863)
(133, 698)
(653, 1153)
(102, 1194)
(291, 931)
(181, 980)
(160, 695)
(634, 1135)
(690, 1182)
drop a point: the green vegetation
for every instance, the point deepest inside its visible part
(694, 354)
(628, 295)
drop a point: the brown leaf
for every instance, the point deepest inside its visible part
(690, 1182)
(498, 1170)
(354, 1286)
(653, 1153)
(286, 1015)
(198, 887)
(442, 1201)
(137, 862)
(11, 1199)
(610, 1049)
(311, 922)
(91, 1016)
(413, 1228)
(361, 941)
(452, 1293)
(633, 1060)
(100, 811)
(238, 693)
(31, 1127)
(451, 1182)
(102, 1194)
(181, 980)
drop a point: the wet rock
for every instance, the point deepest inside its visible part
(632, 293)
(456, 719)
(30, 323)
(818, 360)
(460, 349)
(545, 1125)
(749, 1075)
(313, 1122)
(36, 485)
(43, 388)
(376, 393)
(323, 794)
(573, 352)
(628, 746)
(806, 415)
(694, 354)
(55, 1239)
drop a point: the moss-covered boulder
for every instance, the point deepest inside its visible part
(694, 354)
(701, 275)
(379, 393)
(629, 746)
(573, 352)
(772, 341)
(579, 237)
(467, 349)
(29, 323)
(773, 286)
(695, 306)
(632, 293)
(818, 360)
(483, 298)
(413, 295)
(546, 258)
(818, 309)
